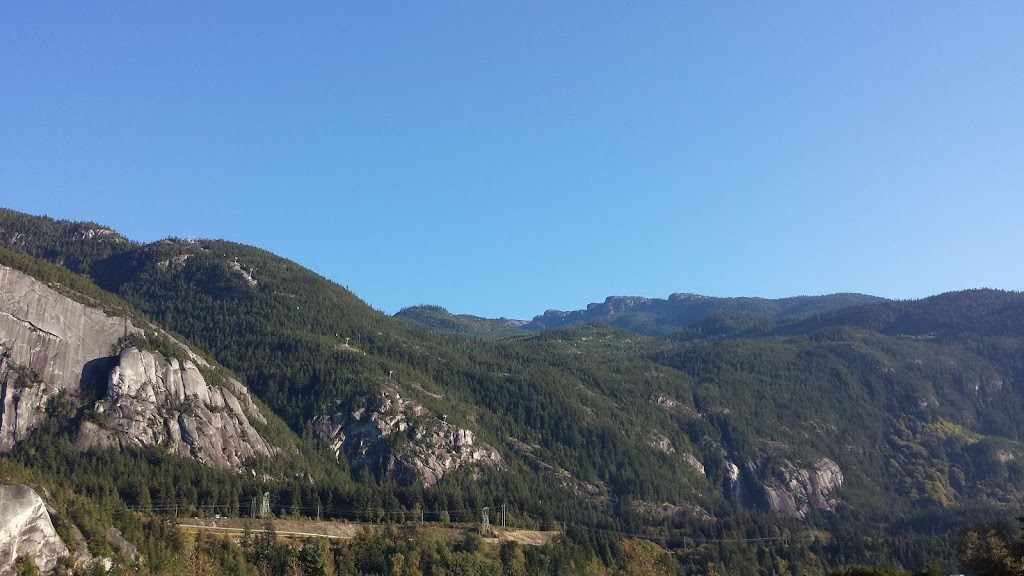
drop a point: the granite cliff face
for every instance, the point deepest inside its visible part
(26, 530)
(804, 489)
(52, 346)
(612, 308)
(401, 440)
(48, 344)
(154, 400)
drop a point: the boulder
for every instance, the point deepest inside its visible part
(26, 530)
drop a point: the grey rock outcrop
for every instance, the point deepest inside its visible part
(662, 443)
(26, 530)
(51, 345)
(153, 400)
(401, 440)
(99, 233)
(803, 489)
(48, 344)
(246, 275)
(122, 546)
(694, 463)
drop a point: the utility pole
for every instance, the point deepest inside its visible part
(317, 512)
(502, 514)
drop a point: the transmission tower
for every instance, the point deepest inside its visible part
(265, 508)
(486, 528)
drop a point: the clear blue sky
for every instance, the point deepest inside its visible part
(500, 159)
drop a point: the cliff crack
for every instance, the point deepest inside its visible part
(32, 325)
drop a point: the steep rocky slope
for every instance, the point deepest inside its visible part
(48, 344)
(54, 348)
(801, 490)
(402, 440)
(153, 400)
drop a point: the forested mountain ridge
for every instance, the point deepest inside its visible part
(438, 319)
(652, 317)
(649, 316)
(951, 316)
(858, 426)
(657, 316)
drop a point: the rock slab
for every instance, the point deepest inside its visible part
(804, 489)
(53, 340)
(26, 530)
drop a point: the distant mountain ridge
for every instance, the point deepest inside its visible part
(647, 316)
(948, 316)
(441, 320)
(658, 316)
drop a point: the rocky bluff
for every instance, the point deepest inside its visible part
(400, 440)
(52, 346)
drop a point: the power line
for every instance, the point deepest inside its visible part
(466, 515)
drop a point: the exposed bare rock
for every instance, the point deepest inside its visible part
(803, 489)
(53, 341)
(176, 264)
(401, 440)
(123, 547)
(99, 234)
(51, 345)
(732, 471)
(245, 274)
(79, 547)
(662, 443)
(667, 403)
(612, 306)
(153, 400)
(696, 464)
(26, 530)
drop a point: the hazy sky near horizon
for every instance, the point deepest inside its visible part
(500, 159)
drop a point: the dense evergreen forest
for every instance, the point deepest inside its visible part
(648, 453)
